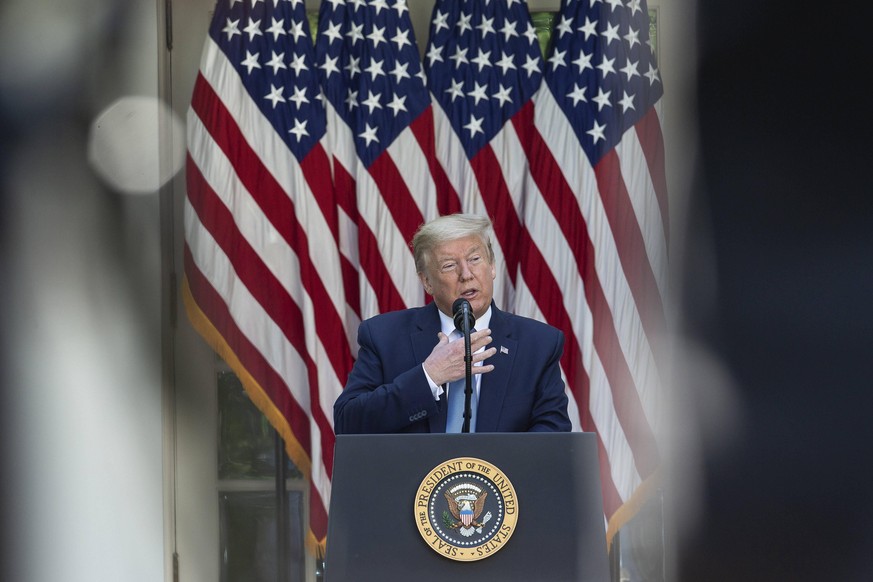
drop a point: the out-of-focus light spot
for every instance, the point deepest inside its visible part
(136, 144)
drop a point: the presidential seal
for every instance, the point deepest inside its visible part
(466, 509)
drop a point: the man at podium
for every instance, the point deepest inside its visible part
(410, 374)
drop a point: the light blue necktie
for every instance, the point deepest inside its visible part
(455, 409)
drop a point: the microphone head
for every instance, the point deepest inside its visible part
(461, 310)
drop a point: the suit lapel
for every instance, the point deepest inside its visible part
(492, 390)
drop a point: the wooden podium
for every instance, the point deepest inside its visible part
(483, 506)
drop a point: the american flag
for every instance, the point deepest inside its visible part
(380, 130)
(596, 226)
(483, 66)
(263, 271)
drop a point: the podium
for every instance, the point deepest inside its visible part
(544, 509)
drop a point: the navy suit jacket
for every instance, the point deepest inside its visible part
(388, 392)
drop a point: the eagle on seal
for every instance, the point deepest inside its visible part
(466, 511)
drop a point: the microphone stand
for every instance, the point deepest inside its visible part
(468, 377)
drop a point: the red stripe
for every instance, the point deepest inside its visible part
(369, 256)
(215, 309)
(317, 513)
(279, 209)
(264, 287)
(448, 201)
(652, 141)
(399, 200)
(631, 246)
(547, 293)
(561, 200)
(344, 186)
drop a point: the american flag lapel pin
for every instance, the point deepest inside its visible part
(503, 350)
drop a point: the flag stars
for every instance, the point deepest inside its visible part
(478, 92)
(531, 33)
(509, 30)
(652, 75)
(602, 99)
(564, 27)
(557, 59)
(606, 66)
(333, 32)
(379, 5)
(531, 65)
(251, 62)
(464, 23)
(299, 130)
(276, 28)
(372, 101)
(397, 104)
(368, 135)
(277, 62)
(434, 55)
(589, 28)
(475, 125)
(504, 95)
(460, 56)
(351, 100)
(401, 39)
(275, 95)
(296, 30)
(486, 27)
(377, 36)
(299, 97)
(456, 90)
(298, 63)
(611, 33)
(482, 60)
(353, 67)
(630, 70)
(439, 22)
(506, 62)
(231, 29)
(375, 69)
(627, 102)
(597, 132)
(578, 95)
(632, 38)
(355, 33)
(253, 29)
(400, 72)
(329, 66)
(583, 61)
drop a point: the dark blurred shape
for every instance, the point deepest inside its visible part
(785, 185)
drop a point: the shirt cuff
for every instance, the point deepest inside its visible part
(435, 388)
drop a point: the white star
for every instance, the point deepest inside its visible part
(634, 6)
(460, 56)
(329, 66)
(375, 69)
(277, 62)
(557, 59)
(597, 132)
(652, 75)
(299, 97)
(275, 95)
(611, 33)
(333, 31)
(506, 63)
(351, 100)
(483, 59)
(369, 134)
(614, 3)
(630, 69)
(486, 26)
(531, 65)
(373, 101)
(298, 63)
(297, 30)
(456, 90)
(399, 72)
(299, 130)
(478, 92)
(627, 102)
(231, 28)
(531, 33)
(397, 104)
(401, 39)
(377, 36)
(464, 23)
(434, 54)
(337, 3)
(632, 37)
(588, 28)
(508, 31)
(606, 66)
(358, 4)
(251, 61)
(578, 94)
(583, 61)
(400, 7)
(475, 125)
(277, 28)
(378, 5)
(564, 27)
(354, 66)
(253, 29)
(504, 95)
(602, 99)
(356, 33)
(439, 22)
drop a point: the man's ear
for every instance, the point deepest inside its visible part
(428, 288)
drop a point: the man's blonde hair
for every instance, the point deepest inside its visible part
(448, 228)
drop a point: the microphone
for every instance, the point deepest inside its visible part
(462, 314)
(462, 311)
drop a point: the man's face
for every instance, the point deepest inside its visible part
(460, 268)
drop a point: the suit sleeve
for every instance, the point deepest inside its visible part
(372, 403)
(549, 412)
